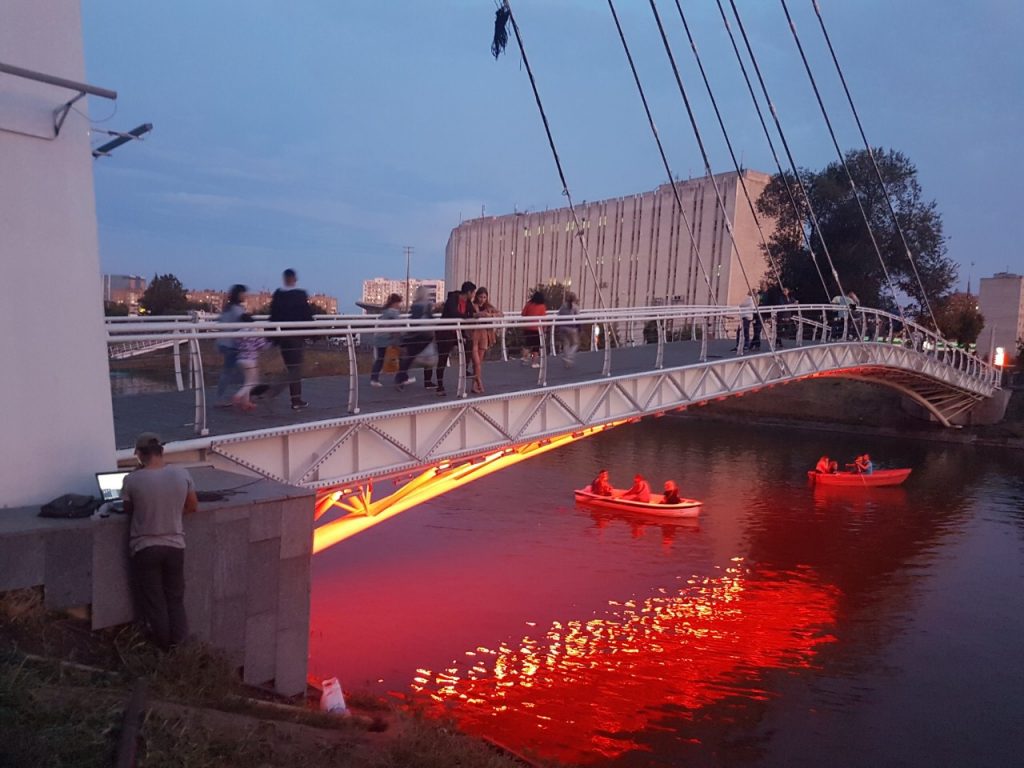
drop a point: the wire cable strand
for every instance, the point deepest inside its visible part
(874, 164)
(706, 159)
(661, 150)
(789, 153)
(842, 158)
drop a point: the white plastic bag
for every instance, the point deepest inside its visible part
(428, 357)
(332, 699)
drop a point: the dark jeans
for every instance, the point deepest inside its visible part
(158, 576)
(378, 363)
(230, 376)
(445, 346)
(410, 350)
(745, 330)
(291, 352)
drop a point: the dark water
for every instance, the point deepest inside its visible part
(788, 626)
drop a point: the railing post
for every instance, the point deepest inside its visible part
(353, 374)
(554, 352)
(704, 339)
(542, 374)
(176, 347)
(504, 344)
(659, 359)
(800, 328)
(606, 368)
(196, 369)
(460, 388)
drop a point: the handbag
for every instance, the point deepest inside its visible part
(428, 357)
(70, 506)
(391, 358)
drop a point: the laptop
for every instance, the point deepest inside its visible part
(110, 487)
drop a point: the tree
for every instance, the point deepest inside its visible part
(959, 318)
(165, 295)
(554, 293)
(849, 244)
(316, 308)
(115, 309)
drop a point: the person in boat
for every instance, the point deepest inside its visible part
(671, 494)
(863, 465)
(826, 466)
(641, 490)
(601, 486)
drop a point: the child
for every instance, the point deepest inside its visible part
(249, 350)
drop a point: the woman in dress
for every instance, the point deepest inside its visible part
(483, 338)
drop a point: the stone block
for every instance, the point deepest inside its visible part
(228, 628)
(265, 521)
(200, 552)
(112, 600)
(262, 573)
(68, 577)
(293, 593)
(230, 559)
(297, 527)
(292, 657)
(260, 648)
(22, 562)
(230, 514)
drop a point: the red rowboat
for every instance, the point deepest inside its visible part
(686, 507)
(877, 479)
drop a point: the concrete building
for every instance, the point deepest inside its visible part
(639, 248)
(377, 290)
(124, 289)
(1001, 301)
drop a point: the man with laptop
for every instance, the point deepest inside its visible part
(156, 496)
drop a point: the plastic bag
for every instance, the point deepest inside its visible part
(428, 357)
(332, 699)
(391, 359)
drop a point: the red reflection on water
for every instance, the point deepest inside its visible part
(580, 692)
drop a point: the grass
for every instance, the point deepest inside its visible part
(198, 711)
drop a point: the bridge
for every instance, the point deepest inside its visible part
(354, 435)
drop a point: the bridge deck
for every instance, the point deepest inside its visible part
(171, 413)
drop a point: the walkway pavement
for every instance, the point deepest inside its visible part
(171, 414)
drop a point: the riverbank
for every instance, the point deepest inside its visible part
(835, 405)
(66, 693)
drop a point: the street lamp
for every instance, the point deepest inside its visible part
(122, 138)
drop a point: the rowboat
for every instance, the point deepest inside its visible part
(654, 507)
(877, 479)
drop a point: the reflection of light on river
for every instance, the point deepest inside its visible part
(586, 686)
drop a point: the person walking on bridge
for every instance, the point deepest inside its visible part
(290, 304)
(383, 340)
(416, 341)
(230, 375)
(570, 332)
(156, 496)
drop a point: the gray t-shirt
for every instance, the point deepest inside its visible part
(158, 498)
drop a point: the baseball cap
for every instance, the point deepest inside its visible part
(148, 440)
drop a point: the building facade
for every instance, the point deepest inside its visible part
(124, 289)
(377, 290)
(640, 251)
(1001, 301)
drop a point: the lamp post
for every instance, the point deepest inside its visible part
(408, 256)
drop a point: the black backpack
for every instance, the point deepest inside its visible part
(71, 505)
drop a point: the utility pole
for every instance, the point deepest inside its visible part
(408, 256)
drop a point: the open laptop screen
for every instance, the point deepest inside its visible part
(110, 484)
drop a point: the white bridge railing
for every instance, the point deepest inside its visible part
(803, 324)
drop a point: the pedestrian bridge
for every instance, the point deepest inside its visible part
(353, 435)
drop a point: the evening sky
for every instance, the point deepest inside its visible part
(325, 135)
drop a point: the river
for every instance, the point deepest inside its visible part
(787, 626)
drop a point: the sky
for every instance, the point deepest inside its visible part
(325, 135)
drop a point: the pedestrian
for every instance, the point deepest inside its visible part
(746, 317)
(483, 338)
(290, 304)
(569, 333)
(249, 350)
(156, 496)
(535, 307)
(415, 342)
(384, 339)
(458, 304)
(230, 375)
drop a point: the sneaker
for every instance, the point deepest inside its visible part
(375, 383)
(535, 365)
(298, 405)
(429, 385)
(410, 380)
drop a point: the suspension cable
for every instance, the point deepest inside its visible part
(842, 159)
(707, 161)
(771, 145)
(664, 158)
(789, 153)
(728, 143)
(874, 164)
(554, 152)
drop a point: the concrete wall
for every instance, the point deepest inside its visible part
(247, 572)
(1001, 301)
(56, 411)
(640, 250)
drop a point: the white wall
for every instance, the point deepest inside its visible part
(56, 425)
